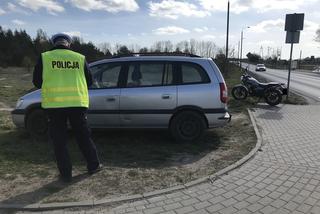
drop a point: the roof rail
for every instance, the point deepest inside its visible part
(156, 54)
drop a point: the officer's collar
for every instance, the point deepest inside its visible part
(60, 47)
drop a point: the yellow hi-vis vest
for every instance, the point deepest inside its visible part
(63, 80)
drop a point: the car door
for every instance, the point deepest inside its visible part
(196, 89)
(149, 95)
(105, 95)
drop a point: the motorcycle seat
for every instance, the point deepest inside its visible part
(269, 84)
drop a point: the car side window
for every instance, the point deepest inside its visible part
(192, 73)
(149, 74)
(105, 75)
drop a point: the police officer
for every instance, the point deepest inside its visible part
(63, 76)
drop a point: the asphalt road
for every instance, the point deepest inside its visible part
(304, 83)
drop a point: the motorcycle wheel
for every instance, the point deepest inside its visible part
(273, 97)
(239, 92)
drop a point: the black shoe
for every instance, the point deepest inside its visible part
(93, 171)
(65, 179)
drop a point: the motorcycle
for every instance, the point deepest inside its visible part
(272, 92)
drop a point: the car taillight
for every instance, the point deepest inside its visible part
(223, 93)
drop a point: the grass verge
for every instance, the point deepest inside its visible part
(136, 161)
(14, 82)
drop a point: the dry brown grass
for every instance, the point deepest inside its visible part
(136, 161)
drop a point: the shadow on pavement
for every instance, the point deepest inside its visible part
(273, 112)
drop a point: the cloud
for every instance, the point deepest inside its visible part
(170, 30)
(173, 9)
(201, 30)
(15, 9)
(112, 6)
(239, 6)
(264, 6)
(73, 33)
(2, 11)
(18, 22)
(311, 26)
(208, 37)
(264, 26)
(236, 6)
(266, 43)
(267, 25)
(12, 7)
(51, 6)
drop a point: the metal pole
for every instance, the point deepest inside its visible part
(227, 42)
(289, 70)
(300, 59)
(241, 49)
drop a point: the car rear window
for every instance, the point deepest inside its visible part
(193, 73)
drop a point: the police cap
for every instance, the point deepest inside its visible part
(60, 36)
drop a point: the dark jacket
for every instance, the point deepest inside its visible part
(37, 72)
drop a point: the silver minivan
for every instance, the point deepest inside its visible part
(186, 94)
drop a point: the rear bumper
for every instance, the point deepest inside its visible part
(18, 118)
(218, 120)
(227, 117)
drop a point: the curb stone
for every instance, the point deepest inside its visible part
(130, 198)
(6, 109)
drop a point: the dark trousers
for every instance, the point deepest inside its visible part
(77, 117)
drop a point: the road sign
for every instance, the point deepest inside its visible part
(294, 22)
(292, 37)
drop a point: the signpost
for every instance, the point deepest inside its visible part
(293, 26)
(227, 41)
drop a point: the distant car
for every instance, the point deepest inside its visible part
(261, 67)
(185, 94)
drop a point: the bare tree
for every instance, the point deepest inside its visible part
(105, 47)
(143, 50)
(317, 35)
(116, 47)
(186, 47)
(168, 46)
(180, 47)
(134, 48)
(201, 48)
(192, 46)
(157, 47)
(206, 48)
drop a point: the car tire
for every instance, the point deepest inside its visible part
(37, 124)
(187, 126)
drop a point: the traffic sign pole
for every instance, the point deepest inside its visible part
(289, 73)
(293, 26)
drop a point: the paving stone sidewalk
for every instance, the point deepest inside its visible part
(284, 177)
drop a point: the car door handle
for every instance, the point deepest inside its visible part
(111, 99)
(166, 96)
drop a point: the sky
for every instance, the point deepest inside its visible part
(143, 22)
